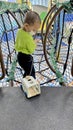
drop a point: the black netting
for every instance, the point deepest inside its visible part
(58, 31)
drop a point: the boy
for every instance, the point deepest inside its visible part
(25, 44)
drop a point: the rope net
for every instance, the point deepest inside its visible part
(67, 4)
(58, 48)
(10, 20)
(56, 38)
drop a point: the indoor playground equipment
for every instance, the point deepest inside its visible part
(53, 65)
(57, 42)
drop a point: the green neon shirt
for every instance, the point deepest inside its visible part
(24, 42)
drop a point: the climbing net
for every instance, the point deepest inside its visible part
(11, 18)
(57, 42)
(53, 65)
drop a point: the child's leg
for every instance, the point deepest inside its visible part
(29, 70)
(26, 62)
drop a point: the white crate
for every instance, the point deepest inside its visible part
(30, 86)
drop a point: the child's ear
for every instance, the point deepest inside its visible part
(26, 24)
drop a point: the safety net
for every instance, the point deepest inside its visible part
(53, 55)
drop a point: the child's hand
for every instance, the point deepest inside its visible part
(37, 40)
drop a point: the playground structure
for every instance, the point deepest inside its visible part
(59, 36)
(55, 67)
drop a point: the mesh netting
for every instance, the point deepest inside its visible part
(67, 4)
(10, 21)
(58, 29)
(11, 6)
(58, 49)
(11, 18)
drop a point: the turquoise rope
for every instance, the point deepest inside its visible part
(12, 69)
(54, 63)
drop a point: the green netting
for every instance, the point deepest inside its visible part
(44, 74)
(53, 60)
(11, 6)
(67, 4)
(12, 69)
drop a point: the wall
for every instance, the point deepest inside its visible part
(40, 2)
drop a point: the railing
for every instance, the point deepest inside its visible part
(2, 65)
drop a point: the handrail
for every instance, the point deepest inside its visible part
(2, 65)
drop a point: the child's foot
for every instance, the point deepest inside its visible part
(63, 84)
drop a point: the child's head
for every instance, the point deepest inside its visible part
(32, 21)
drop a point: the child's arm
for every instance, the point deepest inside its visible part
(36, 39)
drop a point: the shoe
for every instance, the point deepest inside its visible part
(63, 84)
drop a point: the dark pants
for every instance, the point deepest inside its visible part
(26, 62)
